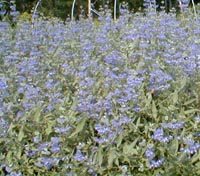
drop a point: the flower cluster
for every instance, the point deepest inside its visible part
(191, 146)
(174, 125)
(152, 162)
(159, 135)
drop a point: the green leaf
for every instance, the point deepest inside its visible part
(37, 115)
(11, 127)
(116, 161)
(195, 158)
(197, 164)
(172, 108)
(148, 100)
(190, 101)
(30, 171)
(49, 128)
(79, 127)
(126, 159)
(111, 157)
(119, 139)
(191, 111)
(9, 157)
(183, 83)
(2, 156)
(21, 134)
(154, 110)
(19, 152)
(175, 97)
(129, 149)
(174, 146)
(99, 156)
(137, 123)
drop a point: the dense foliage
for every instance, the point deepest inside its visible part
(62, 8)
(108, 98)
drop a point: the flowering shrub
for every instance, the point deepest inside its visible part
(120, 98)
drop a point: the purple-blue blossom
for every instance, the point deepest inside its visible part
(159, 136)
(149, 153)
(61, 120)
(155, 163)
(151, 161)
(3, 127)
(191, 146)
(55, 144)
(32, 92)
(173, 125)
(191, 149)
(47, 162)
(79, 156)
(125, 120)
(102, 129)
(159, 80)
(102, 140)
(92, 172)
(197, 119)
(62, 130)
(3, 84)
(30, 153)
(15, 174)
(43, 146)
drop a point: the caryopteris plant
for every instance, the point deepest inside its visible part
(120, 98)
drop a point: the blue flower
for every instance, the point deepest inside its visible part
(47, 162)
(30, 153)
(55, 144)
(102, 129)
(149, 153)
(79, 156)
(156, 163)
(159, 136)
(101, 140)
(191, 146)
(61, 130)
(175, 125)
(3, 84)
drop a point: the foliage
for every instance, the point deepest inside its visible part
(62, 8)
(25, 16)
(117, 98)
(8, 11)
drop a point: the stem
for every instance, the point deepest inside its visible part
(89, 8)
(72, 12)
(97, 13)
(115, 9)
(181, 7)
(34, 12)
(155, 5)
(195, 13)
